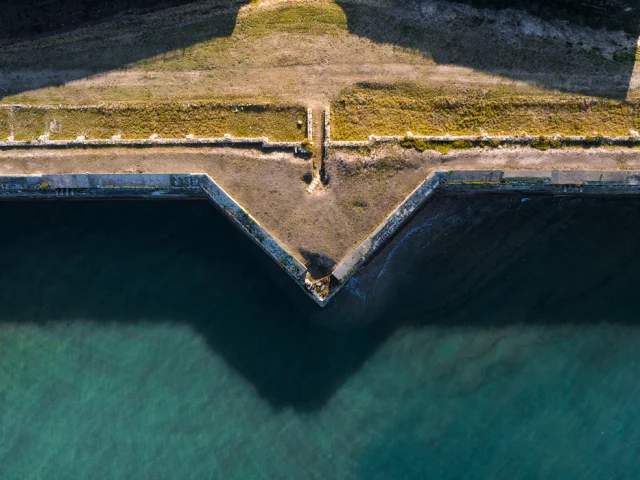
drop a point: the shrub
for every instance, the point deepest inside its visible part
(541, 144)
(408, 142)
(460, 144)
(420, 145)
(443, 148)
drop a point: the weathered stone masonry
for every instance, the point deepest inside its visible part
(525, 182)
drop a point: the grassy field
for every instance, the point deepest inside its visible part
(192, 37)
(279, 123)
(307, 51)
(292, 22)
(396, 109)
(323, 18)
(4, 124)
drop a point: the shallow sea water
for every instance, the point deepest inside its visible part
(493, 338)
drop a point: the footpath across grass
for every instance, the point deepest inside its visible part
(395, 109)
(131, 121)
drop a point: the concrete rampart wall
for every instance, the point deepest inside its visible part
(262, 142)
(527, 182)
(626, 141)
(154, 185)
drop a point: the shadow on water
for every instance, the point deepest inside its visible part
(568, 45)
(461, 263)
(176, 262)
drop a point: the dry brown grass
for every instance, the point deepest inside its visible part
(279, 123)
(298, 51)
(396, 109)
(5, 129)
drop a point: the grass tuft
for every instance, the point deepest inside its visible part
(442, 147)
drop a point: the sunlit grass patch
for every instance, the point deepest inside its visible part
(395, 109)
(5, 129)
(29, 123)
(277, 122)
(320, 19)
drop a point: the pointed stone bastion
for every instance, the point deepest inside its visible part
(289, 253)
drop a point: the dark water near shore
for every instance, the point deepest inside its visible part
(495, 338)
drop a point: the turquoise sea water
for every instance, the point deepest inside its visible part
(493, 338)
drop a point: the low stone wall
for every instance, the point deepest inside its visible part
(310, 124)
(524, 182)
(525, 140)
(149, 186)
(262, 143)
(327, 127)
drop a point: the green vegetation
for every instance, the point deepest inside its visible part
(4, 124)
(307, 144)
(544, 144)
(195, 37)
(29, 123)
(279, 123)
(249, 32)
(421, 145)
(490, 143)
(460, 144)
(391, 109)
(324, 19)
(442, 147)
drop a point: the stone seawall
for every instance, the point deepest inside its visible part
(91, 186)
(518, 182)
